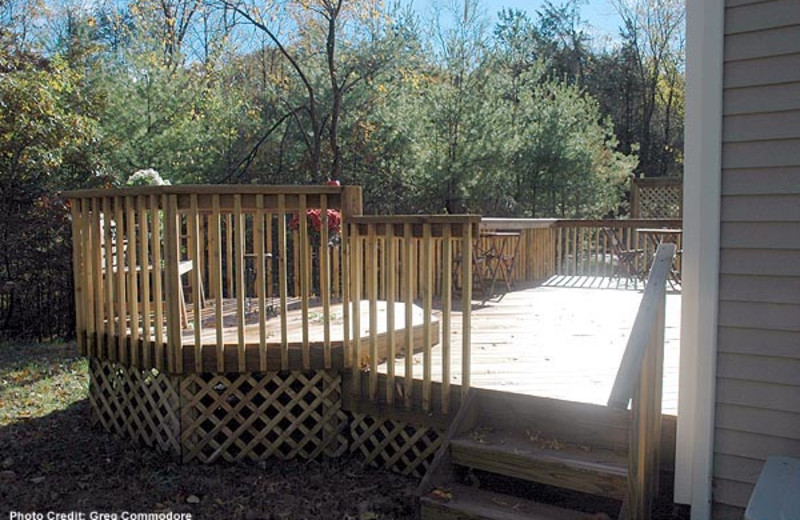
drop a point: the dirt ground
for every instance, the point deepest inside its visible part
(58, 463)
(52, 460)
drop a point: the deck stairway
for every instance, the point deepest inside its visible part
(598, 451)
(502, 441)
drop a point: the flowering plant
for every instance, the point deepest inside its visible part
(148, 177)
(314, 217)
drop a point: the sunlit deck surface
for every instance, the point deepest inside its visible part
(563, 339)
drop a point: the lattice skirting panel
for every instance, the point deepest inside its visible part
(402, 447)
(257, 416)
(143, 405)
(660, 202)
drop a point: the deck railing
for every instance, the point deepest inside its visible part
(582, 248)
(639, 382)
(135, 248)
(396, 273)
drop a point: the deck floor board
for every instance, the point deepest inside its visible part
(563, 339)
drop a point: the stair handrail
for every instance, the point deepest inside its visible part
(639, 381)
(643, 331)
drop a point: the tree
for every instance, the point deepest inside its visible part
(368, 47)
(653, 35)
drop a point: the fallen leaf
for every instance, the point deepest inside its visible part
(193, 499)
(441, 494)
(37, 480)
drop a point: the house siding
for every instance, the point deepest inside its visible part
(758, 360)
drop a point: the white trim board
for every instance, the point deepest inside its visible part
(701, 219)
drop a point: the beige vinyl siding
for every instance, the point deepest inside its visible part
(758, 360)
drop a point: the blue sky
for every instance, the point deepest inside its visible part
(599, 14)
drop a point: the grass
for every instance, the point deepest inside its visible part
(38, 379)
(52, 459)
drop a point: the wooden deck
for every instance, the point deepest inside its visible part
(563, 339)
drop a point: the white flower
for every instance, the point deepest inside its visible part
(148, 177)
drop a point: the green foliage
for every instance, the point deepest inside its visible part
(47, 142)
(528, 117)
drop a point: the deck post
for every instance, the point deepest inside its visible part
(352, 206)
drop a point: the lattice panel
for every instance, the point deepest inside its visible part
(258, 416)
(401, 447)
(660, 201)
(140, 404)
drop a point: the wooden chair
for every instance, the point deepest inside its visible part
(630, 262)
(184, 267)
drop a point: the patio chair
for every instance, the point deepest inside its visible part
(630, 262)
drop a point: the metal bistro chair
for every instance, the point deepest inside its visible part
(630, 262)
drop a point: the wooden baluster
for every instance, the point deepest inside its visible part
(271, 250)
(559, 249)
(466, 327)
(97, 275)
(283, 279)
(304, 265)
(605, 255)
(297, 274)
(91, 332)
(355, 277)
(381, 244)
(158, 296)
(574, 251)
(231, 290)
(133, 283)
(346, 260)
(324, 282)
(391, 294)
(336, 263)
(371, 279)
(79, 251)
(193, 224)
(447, 308)
(113, 325)
(121, 292)
(201, 257)
(408, 282)
(215, 268)
(261, 258)
(240, 289)
(144, 265)
(427, 311)
(173, 290)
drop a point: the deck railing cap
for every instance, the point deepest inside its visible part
(209, 189)
(415, 219)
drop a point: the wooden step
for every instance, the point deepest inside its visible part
(468, 503)
(527, 456)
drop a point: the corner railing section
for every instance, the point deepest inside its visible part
(535, 259)
(235, 252)
(639, 382)
(397, 312)
(583, 248)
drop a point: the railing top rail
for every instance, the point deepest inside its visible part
(658, 181)
(500, 224)
(206, 189)
(621, 223)
(641, 334)
(456, 224)
(415, 219)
